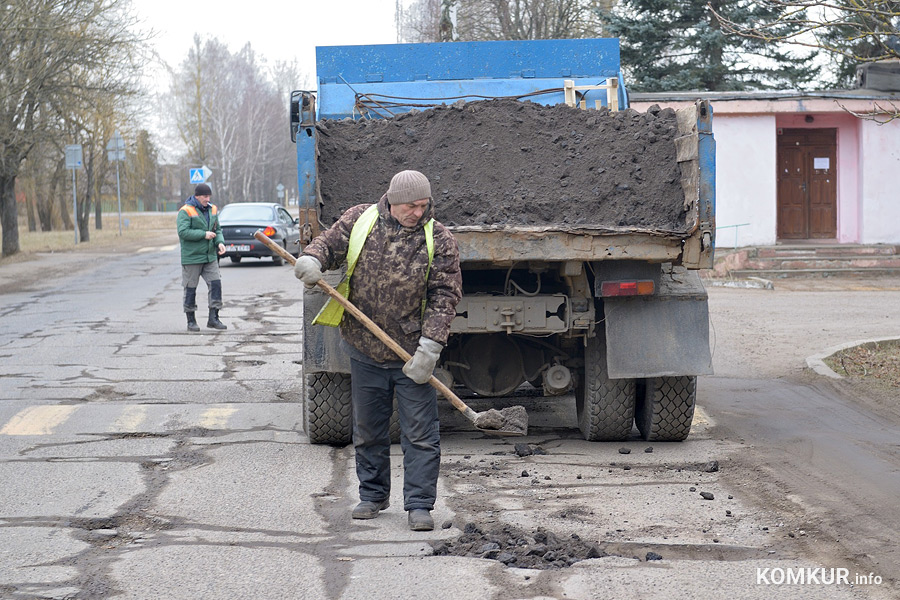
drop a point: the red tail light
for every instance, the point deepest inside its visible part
(269, 231)
(626, 288)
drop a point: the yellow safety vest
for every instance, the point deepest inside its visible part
(333, 311)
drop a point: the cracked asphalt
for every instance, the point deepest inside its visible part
(140, 461)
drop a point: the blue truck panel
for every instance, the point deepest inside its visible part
(597, 57)
(444, 72)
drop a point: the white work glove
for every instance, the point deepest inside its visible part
(308, 269)
(420, 367)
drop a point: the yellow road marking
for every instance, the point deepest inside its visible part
(37, 420)
(130, 419)
(216, 417)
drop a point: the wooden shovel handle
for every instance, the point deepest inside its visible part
(373, 327)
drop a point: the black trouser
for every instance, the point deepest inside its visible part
(373, 391)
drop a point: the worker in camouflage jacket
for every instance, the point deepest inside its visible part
(391, 278)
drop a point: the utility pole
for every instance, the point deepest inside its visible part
(115, 151)
(74, 161)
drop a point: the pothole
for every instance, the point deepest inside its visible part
(540, 549)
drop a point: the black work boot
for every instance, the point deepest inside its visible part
(214, 322)
(369, 510)
(192, 322)
(420, 520)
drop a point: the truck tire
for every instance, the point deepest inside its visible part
(327, 412)
(605, 406)
(665, 409)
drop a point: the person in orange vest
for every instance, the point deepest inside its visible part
(201, 245)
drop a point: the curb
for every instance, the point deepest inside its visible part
(816, 362)
(749, 282)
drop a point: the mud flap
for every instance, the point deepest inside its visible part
(321, 345)
(662, 335)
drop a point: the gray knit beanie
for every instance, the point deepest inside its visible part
(407, 187)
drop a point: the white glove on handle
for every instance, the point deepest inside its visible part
(421, 366)
(308, 269)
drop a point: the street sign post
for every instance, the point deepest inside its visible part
(74, 161)
(116, 152)
(199, 174)
(280, 190)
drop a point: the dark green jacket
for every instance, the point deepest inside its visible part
(193, 223)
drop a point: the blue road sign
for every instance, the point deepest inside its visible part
(197, 175)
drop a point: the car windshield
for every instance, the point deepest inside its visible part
(246, 212)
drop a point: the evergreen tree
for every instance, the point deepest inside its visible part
(669, 45)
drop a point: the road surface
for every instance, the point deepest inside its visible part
(141, 461)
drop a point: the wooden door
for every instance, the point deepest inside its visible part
(807, 184)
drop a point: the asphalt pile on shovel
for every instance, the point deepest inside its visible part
(511, 419)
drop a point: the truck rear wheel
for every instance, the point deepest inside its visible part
(605, 406)
(327, 412)
(665, 409)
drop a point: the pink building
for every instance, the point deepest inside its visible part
(800, 166)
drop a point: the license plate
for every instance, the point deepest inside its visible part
(237, 248)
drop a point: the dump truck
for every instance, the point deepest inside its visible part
(582, 224)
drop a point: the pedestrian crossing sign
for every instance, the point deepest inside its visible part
(197, 175)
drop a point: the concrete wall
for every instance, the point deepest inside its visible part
(879, 188)
(745, 180)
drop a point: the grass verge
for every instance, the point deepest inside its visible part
(136, 229)
(877, 362)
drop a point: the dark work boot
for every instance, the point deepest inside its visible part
(369, 510)
(214, 322)
(192, 322)
(420, 520)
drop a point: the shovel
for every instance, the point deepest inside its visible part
(512, 421)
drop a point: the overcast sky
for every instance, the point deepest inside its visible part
(276, 29)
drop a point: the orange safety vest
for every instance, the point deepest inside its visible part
(193, 212)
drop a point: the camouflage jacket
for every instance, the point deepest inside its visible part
(389, 281)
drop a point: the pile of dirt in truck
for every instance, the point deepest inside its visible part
(504, 163)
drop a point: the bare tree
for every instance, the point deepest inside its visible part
(815, 22)
(851, 32)
(141, 166)
(234, 119)
(426, 20)
(57, 54)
